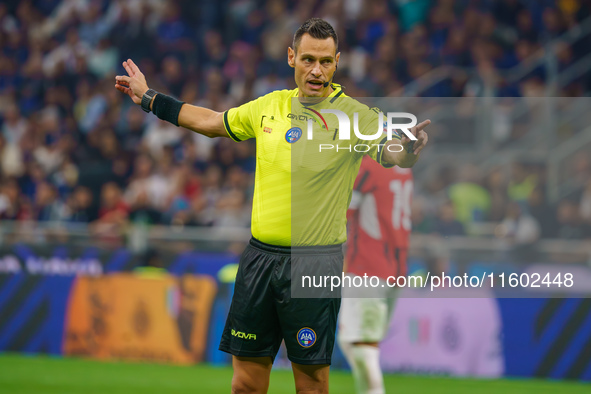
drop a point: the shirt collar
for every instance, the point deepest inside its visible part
(337, 90)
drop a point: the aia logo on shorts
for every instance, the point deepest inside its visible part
(293, 134)
(306, 337)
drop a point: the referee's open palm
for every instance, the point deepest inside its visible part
(133, 84)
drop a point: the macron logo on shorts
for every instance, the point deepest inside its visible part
(306, 337)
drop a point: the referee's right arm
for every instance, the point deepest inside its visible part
(198, 119)
(203, 121)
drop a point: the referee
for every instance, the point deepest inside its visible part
(263, 312)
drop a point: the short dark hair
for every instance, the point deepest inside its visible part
(317, 28)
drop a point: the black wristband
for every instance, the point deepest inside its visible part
(167, 108)
(147, 99)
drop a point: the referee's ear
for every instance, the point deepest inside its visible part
(291, 57)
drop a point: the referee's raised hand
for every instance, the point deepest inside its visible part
(415, 147)
(133, 84)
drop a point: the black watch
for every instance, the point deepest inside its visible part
(147, 98)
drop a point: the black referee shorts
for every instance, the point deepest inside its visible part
(263, 313)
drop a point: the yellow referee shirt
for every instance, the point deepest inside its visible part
(303, 182)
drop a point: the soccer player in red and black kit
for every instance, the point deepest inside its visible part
(379, 228)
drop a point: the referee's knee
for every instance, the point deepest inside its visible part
(251, 375)
(311, 379)
(245, 385)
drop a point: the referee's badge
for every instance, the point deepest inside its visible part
(293, 134)
(306, 337)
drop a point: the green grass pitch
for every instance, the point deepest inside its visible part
(40, 374)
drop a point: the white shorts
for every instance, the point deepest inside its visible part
(366, 319)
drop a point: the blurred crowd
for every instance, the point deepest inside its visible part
(457, 200)
(74, 149)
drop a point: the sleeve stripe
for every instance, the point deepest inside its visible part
(379, 158)
(227, 124)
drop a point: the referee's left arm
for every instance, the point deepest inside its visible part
(409, 155)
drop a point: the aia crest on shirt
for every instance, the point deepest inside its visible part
(293, 135)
